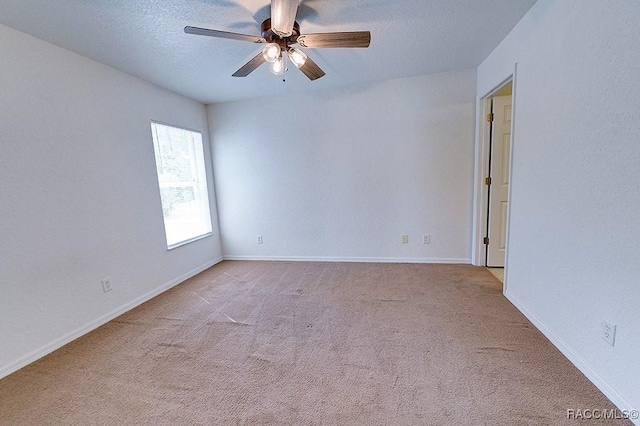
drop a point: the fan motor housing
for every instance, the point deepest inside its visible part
(271, 37)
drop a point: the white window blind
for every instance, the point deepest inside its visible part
(183, 184)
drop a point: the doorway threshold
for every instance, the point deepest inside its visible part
(498, 273)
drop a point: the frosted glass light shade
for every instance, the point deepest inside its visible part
(271, 52)
(297, 56)
(279, 66)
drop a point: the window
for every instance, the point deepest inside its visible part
(183, 184)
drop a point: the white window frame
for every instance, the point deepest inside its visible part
(198, 183)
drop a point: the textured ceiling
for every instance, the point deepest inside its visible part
(146, 38)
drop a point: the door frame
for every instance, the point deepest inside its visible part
(482, 156)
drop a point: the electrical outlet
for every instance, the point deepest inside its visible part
(426, 239)
(405, 239)
(106, 285)
(259, 239)
(608, 332)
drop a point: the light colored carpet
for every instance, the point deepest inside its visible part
(309, 344)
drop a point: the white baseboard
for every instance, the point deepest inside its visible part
(620, 401)
(71, 336)
(465, 261)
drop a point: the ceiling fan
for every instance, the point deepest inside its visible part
(280, 33)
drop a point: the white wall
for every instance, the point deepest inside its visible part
(79, 196)
(341, 174)
(574, 242)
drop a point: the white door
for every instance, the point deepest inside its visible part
(499, 174)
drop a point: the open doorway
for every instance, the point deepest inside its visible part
(493, 171)
(497, 181)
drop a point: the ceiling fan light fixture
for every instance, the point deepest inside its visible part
(278, 33)
(271, 52)
(297, 57)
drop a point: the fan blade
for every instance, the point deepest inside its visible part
(250, 66)
(346, 39)
(283, 15)
(311, 70)
(223, 34)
